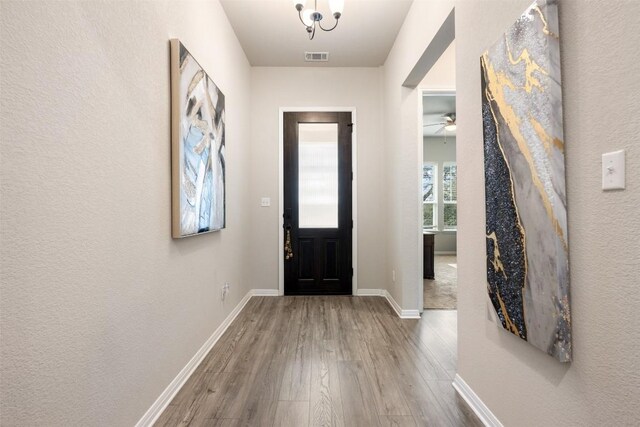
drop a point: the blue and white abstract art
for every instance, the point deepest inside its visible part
(198, 145)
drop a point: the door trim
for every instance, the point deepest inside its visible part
(354, 189)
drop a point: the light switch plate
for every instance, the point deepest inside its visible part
(265, 202)
(613, 171)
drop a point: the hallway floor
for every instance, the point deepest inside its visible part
(344, 361)
(442, 292)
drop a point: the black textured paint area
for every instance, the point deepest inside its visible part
(504, 283)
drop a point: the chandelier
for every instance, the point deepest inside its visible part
(311, 18)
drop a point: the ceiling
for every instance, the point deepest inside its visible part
(434, 108)
(272, 35)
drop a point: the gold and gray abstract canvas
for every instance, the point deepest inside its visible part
(526, 217)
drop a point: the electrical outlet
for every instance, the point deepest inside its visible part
(393, 275)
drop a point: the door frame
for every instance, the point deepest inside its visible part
(354, 189)
(422, 93)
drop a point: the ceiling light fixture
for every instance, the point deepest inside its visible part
(311, 18)
(450, 127)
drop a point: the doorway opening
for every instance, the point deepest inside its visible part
(439, 200)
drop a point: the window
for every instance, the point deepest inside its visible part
(318, 175)
(429, 196)
(450, 195)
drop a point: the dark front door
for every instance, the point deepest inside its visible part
(317, 203)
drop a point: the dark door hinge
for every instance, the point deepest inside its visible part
(351, 223)
(350, 127)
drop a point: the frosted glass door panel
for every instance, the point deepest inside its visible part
(318, 175)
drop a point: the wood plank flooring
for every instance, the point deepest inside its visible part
(326, 361)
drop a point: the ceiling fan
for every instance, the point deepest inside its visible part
(449, 123)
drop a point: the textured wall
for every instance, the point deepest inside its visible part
(274, 87)
(100, 308)
(522, 385)
(403, 139)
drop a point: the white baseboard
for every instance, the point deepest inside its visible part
(172, 389)
(264, 292)
(481, 410)
(403, 314)
(371, 292)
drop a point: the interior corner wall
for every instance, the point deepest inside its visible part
(100, 307)
(402, 138)
(276, 87)
(521, 385)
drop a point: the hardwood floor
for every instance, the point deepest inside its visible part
(326, 361)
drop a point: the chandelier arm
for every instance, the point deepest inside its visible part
(300, 16)
(312, 34)
(330, 29)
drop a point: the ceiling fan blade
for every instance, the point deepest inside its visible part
(440, 130)
(434, 124)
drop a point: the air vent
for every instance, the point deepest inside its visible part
(316, 56)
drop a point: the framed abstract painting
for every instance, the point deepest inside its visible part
(197, 147)
(526, 203)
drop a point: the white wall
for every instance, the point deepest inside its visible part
(403, 139)
(275, 87)
(100, 307)
(436, 151)
(522, 385)
(442, 76)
